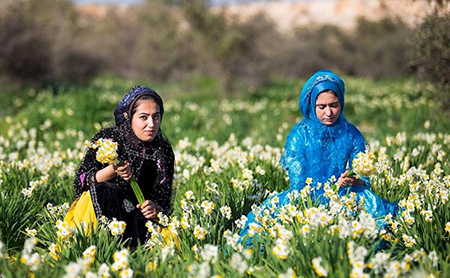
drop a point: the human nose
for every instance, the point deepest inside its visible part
(328, 111)
(150, 122)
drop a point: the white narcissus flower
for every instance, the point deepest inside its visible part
(207, 207)
(238, 263)
(90, 253)
(126, 273)
(290, 273)
(117, 227)
(408, 240)
(447, 227)
(318, 268)
(200, 232)
(254, 229)
(103, 271)
(226, 212)
(280, 250)
(72, 270)
(210, 253)
(240, 223)
(2, 246)
(90, 274)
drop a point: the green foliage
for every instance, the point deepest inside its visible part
(380, 48)
(52, 42)
(222, 146)
(374, 49)
(17, 211)
(40, 43)
(240, 49)
(431, 53)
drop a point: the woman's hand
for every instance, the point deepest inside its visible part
(123, 171)
(148, 209)
(345, 181)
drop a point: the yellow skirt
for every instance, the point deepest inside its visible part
(82, 211)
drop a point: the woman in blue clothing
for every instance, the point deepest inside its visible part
(320, 147)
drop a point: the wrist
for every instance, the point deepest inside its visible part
(94, 178)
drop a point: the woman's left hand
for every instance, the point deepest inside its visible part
(148, 209)
(345, 181)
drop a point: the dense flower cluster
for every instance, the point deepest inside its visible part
(28, 258)
(64, 231)
(106, 151)
(217, 184)
(117, 227)
(121, 264)
(363, 164)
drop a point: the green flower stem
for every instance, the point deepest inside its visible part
(137, 191)
(351, 173)
(336, 186)
(135, 186)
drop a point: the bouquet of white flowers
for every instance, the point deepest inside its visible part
(363, 166)
(107, 154)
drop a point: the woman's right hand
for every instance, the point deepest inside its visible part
(345, 181)
(123, 171)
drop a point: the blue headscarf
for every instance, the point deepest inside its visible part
(319, 82)
(314, 149)
(123, 109)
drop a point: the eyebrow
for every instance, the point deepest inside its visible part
(147, 114)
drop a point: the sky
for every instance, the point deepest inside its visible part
(131, 2)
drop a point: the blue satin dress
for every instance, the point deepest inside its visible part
(317, 151)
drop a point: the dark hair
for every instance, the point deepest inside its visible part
(139, 100)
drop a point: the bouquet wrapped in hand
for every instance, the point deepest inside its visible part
(362, 166)
(107, 154)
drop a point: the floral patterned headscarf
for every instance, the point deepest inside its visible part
(319, 82)
(123, 109)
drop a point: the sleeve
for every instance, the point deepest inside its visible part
(359, 145)
(85, 175)
(293, 156)
(163, 198)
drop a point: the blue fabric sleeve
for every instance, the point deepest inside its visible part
(293, 158)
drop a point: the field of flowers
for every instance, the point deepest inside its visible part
(227, 153)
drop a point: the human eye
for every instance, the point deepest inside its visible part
(321, 106)
(143, 117)
(334, 105)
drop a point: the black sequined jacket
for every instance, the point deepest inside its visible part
(152, 165)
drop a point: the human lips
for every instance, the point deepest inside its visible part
(328, 121)
(149, 132)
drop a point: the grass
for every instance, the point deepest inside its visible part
(217, 142)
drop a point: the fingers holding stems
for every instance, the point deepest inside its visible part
(123, 171)
(148, 209)
(347, 181)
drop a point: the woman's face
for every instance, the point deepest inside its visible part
(328, 108)
(146, 120)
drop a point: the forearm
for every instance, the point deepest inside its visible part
(105, 174)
